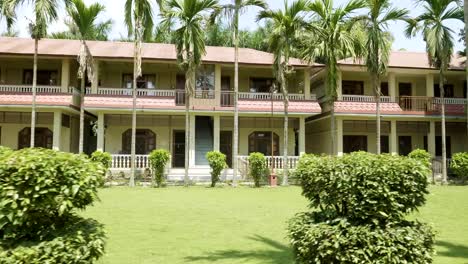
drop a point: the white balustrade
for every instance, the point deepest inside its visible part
(275, 161)
(120, 161)
(28, 89)
(129, 92)
(270, 96)
(450, 101)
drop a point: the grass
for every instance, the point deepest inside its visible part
(243, 225)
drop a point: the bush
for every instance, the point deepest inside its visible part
(257, 167)
(364, 187)
(421, 155)
(4, 150)
(158, 160)
(317, 241)
(82, 241)
(459, 165)
(104, 158)
(40, 189)
(217, 161)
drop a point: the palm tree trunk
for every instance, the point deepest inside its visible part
(375, 81)
(444, 147)
(465, 8)
(34, 85)
(333, 128)
(286, 140)
(134, 93)
(187, 134)
(82, 91)
(235, 143)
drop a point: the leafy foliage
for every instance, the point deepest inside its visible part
(158, 160)
(40, 189)
(82, 241)
(5, 150)
(316, 240)
(257, 167)
(459, 165)
(423, 156)
(104, 158)
(217, 161)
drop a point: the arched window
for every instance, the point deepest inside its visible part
(263, 142)
(144, 144)
(43, 138)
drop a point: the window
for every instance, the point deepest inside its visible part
(448, 145)
(384, 89)
(146, 81)
(44, 77)
(262, 85)
(404, 145)
(264, 142)
(448, 90)
(353, 87)
(144, 144)
(405, 89)
(205, 80)
(354, 143)
(43, 138)
(226, 83)
(384, 144)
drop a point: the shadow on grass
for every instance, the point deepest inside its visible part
(277, 253)
(452, 250)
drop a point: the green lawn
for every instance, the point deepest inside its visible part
(243, 225)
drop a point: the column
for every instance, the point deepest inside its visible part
(192, 141)
(339, 84)
(339, 137)
(307, 84)
(100, 132)
(65, 80)
(393, 137)
(217, 84)
(430, 85)
(95, 82)
(392, 86)
(431, 139)
(302, 137)
(57, 130)
(216, 132)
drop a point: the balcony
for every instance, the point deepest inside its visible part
(400, 105)
(45, 95)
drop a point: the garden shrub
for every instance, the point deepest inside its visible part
(4, 150)
(105, 159)
(459, 165)
(257, 167)
(217, 161)
(421, 155)
(361, 201)
(158, 160)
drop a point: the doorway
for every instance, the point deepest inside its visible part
(178, 149)
(225, 146)
(404, 145)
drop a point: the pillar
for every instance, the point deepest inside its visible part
(339, 84)
(218, 84)
(57, 137)
(431, 139)
(192, 141)
(100, 132)
(339, 137)
(95, 82)
(392, 86)
(307, 84)
(65, 80)
(216, 132)
(430, 85)
(393, 138)
(302, 137)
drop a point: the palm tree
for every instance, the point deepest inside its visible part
(8, 13)
(465, 11)
(439, 46)
(329, 38)
(232, 12)
(139, 21)
(45, 11)
(188, 16)
(378, 45)
(286, 25)
(99, 31)
(83, 26)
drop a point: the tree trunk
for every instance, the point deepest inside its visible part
(187, 134)
(444, 147)
(82, 92)
(235, 144)
(286, 132)
(34, 86)
(465, 8)
(134, 99)
(333, 129)
(375, 82)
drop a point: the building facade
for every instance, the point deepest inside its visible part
(410, 105)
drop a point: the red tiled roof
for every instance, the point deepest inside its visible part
(127, 102)
(406, 59)
(392, 109)
(41, 99)
(112, 49)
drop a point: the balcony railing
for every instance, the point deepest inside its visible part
(270, 96)
(129, 92)
(275, 161)
(124, 161)
(46, 89)
(364, 98)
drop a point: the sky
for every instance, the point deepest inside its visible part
(114, 10)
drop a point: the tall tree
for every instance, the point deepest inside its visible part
(287, 24)
(7, 12)
(233, 12)
(83, 23)
(139, 21)
(45, 11)
(329, 38)
(188, 16)
(439, 46)
(378, 46)
(99, 31)
(465, 11)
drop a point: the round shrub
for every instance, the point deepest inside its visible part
(421, 155)
(158, 160)
(104, 158)
(40, 188)
(364, 187)
(315, 240)
(82, 241)
(217, 161)
(459, 165)
(257, 167)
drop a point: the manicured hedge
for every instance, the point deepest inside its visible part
(257, 167)
(158, 160)
(459, 165)
(217, 161)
